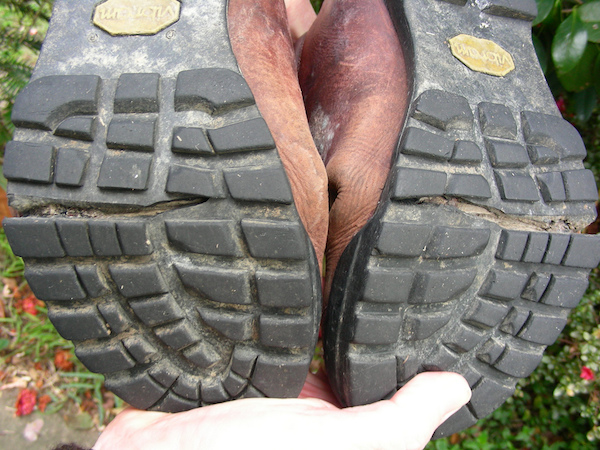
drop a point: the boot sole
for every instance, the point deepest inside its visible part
(156, 218)
(471, 262)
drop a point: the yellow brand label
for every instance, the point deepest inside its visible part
(133, 17)
(482, 55)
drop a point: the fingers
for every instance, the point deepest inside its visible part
(408, 420)
(119, 432)
(432, 398)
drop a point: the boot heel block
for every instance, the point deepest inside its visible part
(471, 297)
(469, 264)
(158, 222)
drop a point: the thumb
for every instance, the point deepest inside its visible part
(410, 418)
(431, 398)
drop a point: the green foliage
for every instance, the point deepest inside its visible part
(74, 388)
(553, 409)
(31, 9)
(556, 407)
(33, 336)
(591, 136)
(577, 361)
(22, 26)
(10, 265)
(567, 41)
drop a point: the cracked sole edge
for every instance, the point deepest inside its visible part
(444, 290)
(157, 219)
(468, 264)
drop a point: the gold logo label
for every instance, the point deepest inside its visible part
(134, 17)
(482, 55)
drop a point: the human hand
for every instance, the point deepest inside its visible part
(314, 421)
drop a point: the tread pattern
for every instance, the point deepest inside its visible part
(212, 90)
(50, 100)
(213, 295)
(112, 290)
(464, 266)
(430, 303)
(126, 152)
(512, 173)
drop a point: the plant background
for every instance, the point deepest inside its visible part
(558, 407)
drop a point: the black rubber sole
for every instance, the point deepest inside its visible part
(157, 221)
(471, 263)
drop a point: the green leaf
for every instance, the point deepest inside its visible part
(544, 8)
(582, 75)
(590, 12)
(590, 16)
(593, 30)
(569, 43)
(4, 343)
(585, 104)
(596, 75)
(316, 4)
(541, 53)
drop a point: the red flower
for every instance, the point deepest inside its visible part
(43, 402)
(587, 374)
(25, 402)
(28, 305)
(62, 360)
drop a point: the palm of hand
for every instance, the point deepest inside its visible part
(314, 420)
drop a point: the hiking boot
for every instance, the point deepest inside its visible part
(472, 259)
(157, 218)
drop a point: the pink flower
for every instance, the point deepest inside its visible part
(25, 402)
(29, 305)
(587, 374)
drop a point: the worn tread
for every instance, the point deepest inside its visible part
(150, 195)
(471, 262)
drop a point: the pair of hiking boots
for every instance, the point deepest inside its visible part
(169, 199)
